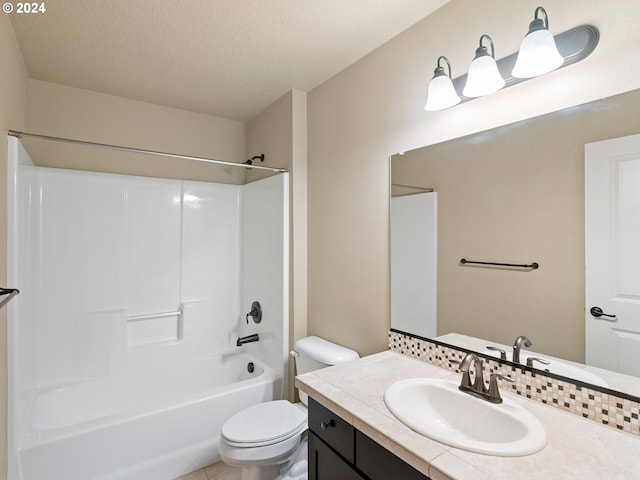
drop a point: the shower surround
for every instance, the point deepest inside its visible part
(133, 292)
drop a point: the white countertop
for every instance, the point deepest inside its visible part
(576, 448)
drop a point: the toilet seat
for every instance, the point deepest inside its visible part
(264, 424)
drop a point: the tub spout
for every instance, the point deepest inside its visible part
(248, 339)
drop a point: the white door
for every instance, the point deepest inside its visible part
(612, 241)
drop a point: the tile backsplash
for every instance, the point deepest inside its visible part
(606, 408)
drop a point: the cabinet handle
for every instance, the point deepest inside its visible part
(325, 425)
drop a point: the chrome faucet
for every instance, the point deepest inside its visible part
(503, 354)
(530, 361)
(248, 339)
(479, 389)
(478, 380)
(520, 342)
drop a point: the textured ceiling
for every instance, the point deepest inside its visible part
(228, 58)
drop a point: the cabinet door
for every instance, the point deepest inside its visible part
(378, 463)
(325, 464)
(332, 430)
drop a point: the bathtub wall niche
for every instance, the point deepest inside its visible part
(132, 278)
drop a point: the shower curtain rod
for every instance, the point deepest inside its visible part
(34, 136)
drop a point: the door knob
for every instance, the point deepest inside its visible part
(597, 312)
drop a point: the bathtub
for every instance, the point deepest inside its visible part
(135, 429)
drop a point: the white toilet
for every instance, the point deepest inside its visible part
(266, 440)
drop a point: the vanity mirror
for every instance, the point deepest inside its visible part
(514, 194)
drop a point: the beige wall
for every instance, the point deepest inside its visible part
(280, 133)
(270, 132)
(374, 109)
(516, 194)
(61, 111)
(13, 115)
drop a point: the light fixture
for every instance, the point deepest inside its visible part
(441, 93)
(538, 52)
(483, 77)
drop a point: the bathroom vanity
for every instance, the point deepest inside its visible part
(361, 437)
(337, 450)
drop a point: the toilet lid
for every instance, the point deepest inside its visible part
(264, 423)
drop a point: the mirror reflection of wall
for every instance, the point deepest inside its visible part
(516, 194)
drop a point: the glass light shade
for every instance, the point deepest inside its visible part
(441, 94)
(483, 77)
(538, 55)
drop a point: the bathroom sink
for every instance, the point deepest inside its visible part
(437, 409)
(566, 370)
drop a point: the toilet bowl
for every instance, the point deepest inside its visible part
(266, 433)
(268, 440)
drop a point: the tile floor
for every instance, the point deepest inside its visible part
(217, 471)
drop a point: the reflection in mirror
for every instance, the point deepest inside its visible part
(516, 194)
(413, 232)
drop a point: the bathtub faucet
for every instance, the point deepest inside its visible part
(248, 339)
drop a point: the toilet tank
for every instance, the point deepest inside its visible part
(313, 353)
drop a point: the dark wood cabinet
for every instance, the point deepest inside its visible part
(332, 430)
(378, 463)
(326, 464)
(337, 451)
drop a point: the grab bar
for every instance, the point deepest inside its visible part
(533, 265)
(148, 316)
(11, 292)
